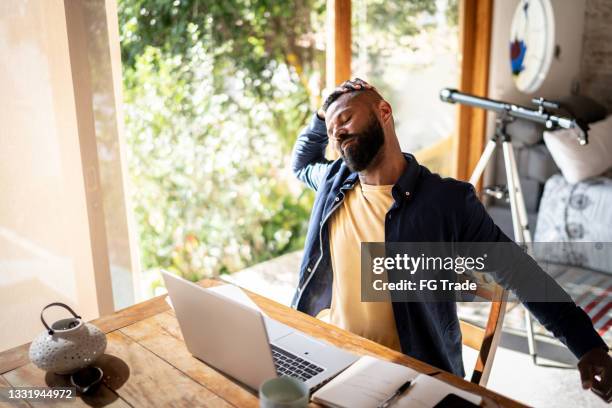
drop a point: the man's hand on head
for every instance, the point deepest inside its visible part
(596, 372)
(351, 85)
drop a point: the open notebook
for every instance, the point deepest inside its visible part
(369, 381)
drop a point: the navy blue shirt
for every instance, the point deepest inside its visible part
(426, 208)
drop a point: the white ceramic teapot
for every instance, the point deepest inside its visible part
(68, 345)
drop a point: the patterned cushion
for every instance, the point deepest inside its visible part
(576, 213)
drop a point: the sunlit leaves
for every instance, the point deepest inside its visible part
(209, 178)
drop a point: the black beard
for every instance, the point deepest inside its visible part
(360, 154)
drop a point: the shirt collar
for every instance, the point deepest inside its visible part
(405, 185)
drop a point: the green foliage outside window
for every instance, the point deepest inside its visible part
(215, 94)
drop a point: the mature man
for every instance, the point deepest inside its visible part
(376, 193)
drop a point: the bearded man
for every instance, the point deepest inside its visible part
(376, 193)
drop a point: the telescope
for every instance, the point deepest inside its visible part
(506, 113)
(510, 110)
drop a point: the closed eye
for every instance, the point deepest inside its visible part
(345, 118)
(340, 119)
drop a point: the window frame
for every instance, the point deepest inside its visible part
(475, 21)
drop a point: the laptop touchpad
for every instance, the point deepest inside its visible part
(300, 345)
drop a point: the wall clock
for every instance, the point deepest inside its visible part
(532, 43)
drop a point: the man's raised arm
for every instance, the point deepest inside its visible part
(308, 160)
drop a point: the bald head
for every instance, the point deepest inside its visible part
(368, 96)
(362, 103)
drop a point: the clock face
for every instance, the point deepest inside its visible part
(531, 43)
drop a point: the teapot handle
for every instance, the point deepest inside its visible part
(42, 319)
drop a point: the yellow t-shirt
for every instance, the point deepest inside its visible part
(361, 218)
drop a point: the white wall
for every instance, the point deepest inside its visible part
(569, 26)
(58, 99)
(45, 254)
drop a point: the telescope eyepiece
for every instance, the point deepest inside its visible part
(446, 95)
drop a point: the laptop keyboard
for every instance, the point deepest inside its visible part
(292, 366)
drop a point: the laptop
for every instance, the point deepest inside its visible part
(241, 342)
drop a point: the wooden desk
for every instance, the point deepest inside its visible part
(147, 364)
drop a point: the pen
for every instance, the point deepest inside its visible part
(396, 394)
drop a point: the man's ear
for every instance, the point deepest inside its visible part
(386, 113)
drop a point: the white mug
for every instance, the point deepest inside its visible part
(283, 392)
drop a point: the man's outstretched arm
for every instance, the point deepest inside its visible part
(563, 318)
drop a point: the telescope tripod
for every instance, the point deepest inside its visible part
(520, 223)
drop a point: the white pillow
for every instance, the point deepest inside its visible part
(581, 162)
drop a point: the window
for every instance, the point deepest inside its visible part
(214, 98)
(409, 51)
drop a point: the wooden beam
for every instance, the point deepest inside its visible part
(475, 43)
(338, 48)
(76, 29)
